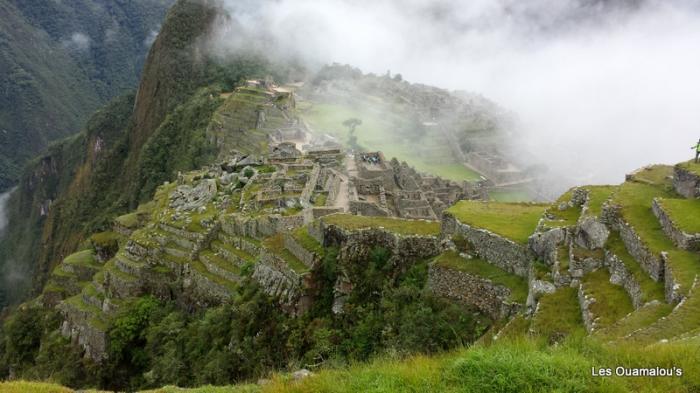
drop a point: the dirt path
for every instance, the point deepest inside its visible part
(342, 199)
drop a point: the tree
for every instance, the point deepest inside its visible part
(352, 124)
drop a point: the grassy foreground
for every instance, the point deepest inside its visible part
(518, 365)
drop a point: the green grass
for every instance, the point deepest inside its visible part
(656, 174)
(691, 166)
(558, 315)
(612, 301)
(684, 318)
(320, 200)
(396, 225)
(220, 262)
(651, 290)
(201, 269)
(597, 195)
(640, 318)
(276, 245)
(635, 200)
(130, 220)
(83, 258)
(302, 236)
(510, 195)
(32, 387)
(483, 269)
(514, 221)
(563, 257)
(379, 131)
(685, 213)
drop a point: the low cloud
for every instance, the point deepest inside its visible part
(78, 41)
(599, 87)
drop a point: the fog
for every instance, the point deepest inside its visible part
(4, 198)
(599, 87)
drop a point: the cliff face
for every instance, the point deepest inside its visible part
(82, 182)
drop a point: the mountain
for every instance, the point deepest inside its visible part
(237, 223)
(60, 61)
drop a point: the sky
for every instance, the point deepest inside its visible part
(599, 88)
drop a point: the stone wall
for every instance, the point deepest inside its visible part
(308, 258)
(310, 185)
(508, 255)
(651, 263)
(545, 243)
(77, 326)
(260, 227)
(683, 240)
(490, 298)
(278, 280)
(585, 302)
(620, 275)
(672, 288)
(686, 183)
(356, 245)
(369, 209)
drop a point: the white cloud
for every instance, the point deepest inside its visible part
(601, 88)
(78, 41)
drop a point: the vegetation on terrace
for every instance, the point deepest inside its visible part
(611, 301)
(276, 245)
(685, 213)
(691, 166)
(651, 290)
(396, 225)
(514, 221)
(635, 201)
(558, 315)
(480, 268)
(597, 195)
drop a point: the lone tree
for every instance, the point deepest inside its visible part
(352, 124)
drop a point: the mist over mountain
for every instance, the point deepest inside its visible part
(593, 83)
(59, 62)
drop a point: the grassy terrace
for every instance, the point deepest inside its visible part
(651, 290)
(78, 303)
(685, 213)
(643, 317)
(220, 262)
(276, 245)
(563, 257)
(481, 268)
(201, 269)
(612, 301)
(691, 166)
(396, 225)
(381, 130)
(597, 195)
(301, 235)
(558, 315)
(562, 218)
(656, 174)
(83, 258)
(635, 200)
(235, 251)
(515, 221)
(684, 318)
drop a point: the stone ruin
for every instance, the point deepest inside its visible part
(391, 188)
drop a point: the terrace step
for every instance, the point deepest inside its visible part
(120, 283)
(232, 254)
(220, 266)
(249, 245)
(626, 271)
(684, 319)
(92, 296)
(602, 303)
(557, 315)
(128, 265)
(636, 320)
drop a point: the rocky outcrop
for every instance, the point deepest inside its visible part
(683, 240)
(508, 255)
(490, 298)
(685, 182)
(591, 233)
(278, 280)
